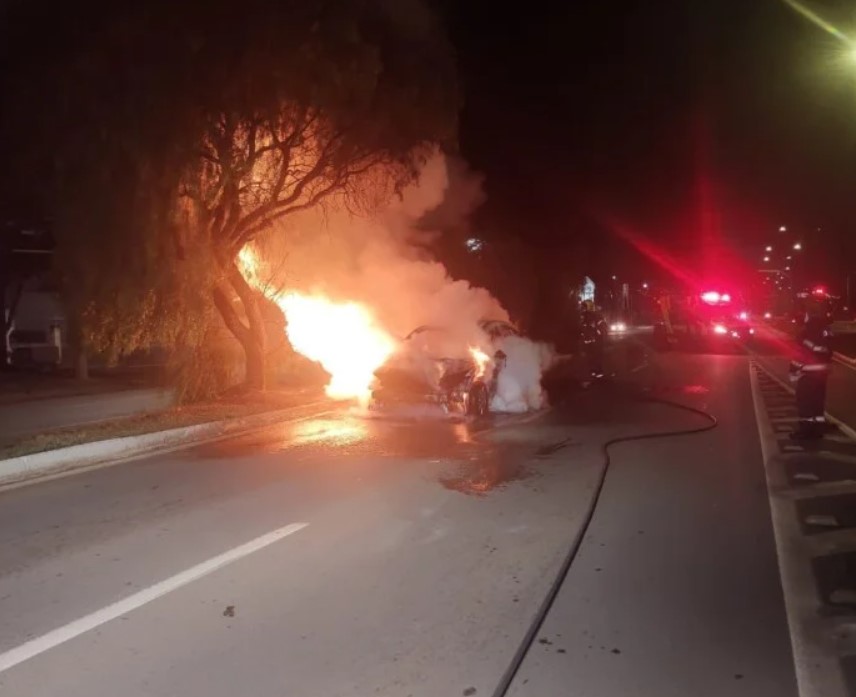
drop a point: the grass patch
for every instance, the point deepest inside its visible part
(177, 417)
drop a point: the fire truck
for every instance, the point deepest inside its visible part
(712, 315)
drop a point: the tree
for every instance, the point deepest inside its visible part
(277, 140)
(169, 155)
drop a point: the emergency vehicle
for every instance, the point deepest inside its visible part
(714, 315)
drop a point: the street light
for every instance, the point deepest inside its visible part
(769, 248)
(766, 259)
(797, 246)
(783, 229)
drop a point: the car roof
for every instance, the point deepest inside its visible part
(495, 328)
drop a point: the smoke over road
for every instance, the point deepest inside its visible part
(378, 260)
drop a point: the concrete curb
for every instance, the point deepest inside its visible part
(846, 360)
(26, 468)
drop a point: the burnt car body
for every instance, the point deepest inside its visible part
(433, 367)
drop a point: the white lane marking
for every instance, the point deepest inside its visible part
(58, 636)
(818, 673)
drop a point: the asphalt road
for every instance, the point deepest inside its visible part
(341, 556)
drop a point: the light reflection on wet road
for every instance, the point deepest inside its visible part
(462, 453)
(428, 548)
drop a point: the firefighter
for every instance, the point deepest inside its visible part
(663, 330)
(593, 331)
(810, 373)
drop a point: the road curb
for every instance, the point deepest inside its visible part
(846, 360)
(817, 666)
(36, 466)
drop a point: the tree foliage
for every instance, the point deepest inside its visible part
(165, 136)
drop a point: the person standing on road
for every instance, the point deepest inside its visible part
(593, 330)
(810, 372)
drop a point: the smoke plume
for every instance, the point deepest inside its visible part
(379, 260)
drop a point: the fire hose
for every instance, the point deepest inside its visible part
(544, 609)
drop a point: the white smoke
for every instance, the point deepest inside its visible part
(380, 261)
(519, 385)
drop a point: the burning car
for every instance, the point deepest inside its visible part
(433, 365)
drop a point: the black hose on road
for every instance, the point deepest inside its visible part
(538, 621)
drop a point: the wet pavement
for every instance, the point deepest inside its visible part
(675, 590)
(343, 555)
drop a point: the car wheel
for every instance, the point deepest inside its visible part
(477, 402)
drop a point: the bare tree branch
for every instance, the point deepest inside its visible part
(278, 212)
(262, 214)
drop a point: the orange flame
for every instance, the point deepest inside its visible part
(343, 337)
(482, 360)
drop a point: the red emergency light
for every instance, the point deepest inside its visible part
(712, 297)
(819, 290)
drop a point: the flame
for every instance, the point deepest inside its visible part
(344, 337)
(481, 359)
(248, 263)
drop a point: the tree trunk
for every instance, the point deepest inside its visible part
(250, 336)
(76, 342)
(5, 356)
(78, 348)
(81, 363)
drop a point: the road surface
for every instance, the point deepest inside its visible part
(29, 416)
(344, 556)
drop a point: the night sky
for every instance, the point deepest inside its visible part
(689, 123)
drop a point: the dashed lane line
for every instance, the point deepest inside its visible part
(54, 638)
